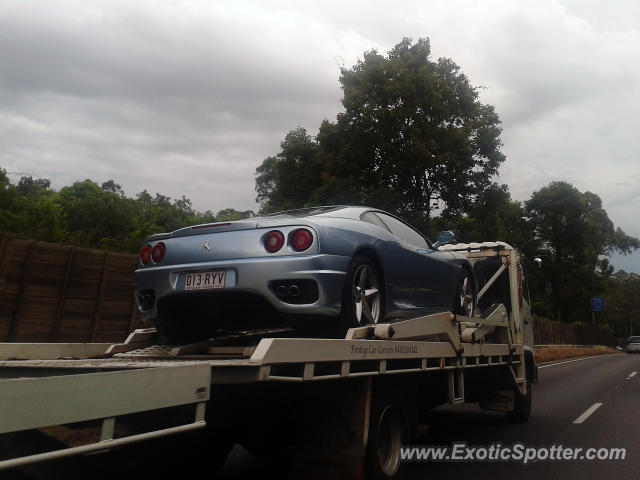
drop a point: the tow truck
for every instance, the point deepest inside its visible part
(342, 407)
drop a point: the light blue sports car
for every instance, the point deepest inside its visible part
(320, 270)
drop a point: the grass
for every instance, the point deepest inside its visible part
(560, 352)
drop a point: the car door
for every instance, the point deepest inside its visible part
(419, 279)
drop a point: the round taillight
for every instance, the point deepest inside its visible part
(302, 239)
(273, 241)
(145, 254)
(158, 252)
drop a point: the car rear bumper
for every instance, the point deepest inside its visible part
(253, 276)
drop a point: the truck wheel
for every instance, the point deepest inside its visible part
(388, 432)
(362, 297)
(522, 405)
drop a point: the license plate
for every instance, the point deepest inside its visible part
(204, 280)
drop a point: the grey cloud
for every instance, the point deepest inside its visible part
(180, 107)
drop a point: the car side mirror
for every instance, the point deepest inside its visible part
(446, 237)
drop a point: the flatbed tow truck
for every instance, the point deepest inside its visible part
(343, 407)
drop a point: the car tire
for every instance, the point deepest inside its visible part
(363, 294)
(183, 332)
(465, 299)
(179, 334)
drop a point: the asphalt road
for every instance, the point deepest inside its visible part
(568, 391)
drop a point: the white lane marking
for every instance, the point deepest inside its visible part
(631, 375)
(576, 360)
(587, 413)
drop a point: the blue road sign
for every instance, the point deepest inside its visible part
(597, 304)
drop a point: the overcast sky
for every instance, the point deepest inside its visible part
(187, 98)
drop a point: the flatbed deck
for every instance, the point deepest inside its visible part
(381, 355)
(366, 351)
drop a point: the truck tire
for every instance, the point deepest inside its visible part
(522, 405)
(388, 432)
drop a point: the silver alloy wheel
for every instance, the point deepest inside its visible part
(389, 440)
(366, 295)
(465, 300)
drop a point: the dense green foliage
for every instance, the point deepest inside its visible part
(414, 139)
(97, 216)
(571, 232)
(622, 303)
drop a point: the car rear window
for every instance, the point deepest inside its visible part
(305, 212)
(634, 340)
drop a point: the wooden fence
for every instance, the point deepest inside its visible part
(549, 332)
(54, 293)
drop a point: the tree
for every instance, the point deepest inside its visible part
(230, 214)
(88, 215)
(113, 187)
(160, 213)
(287, 180)
(492, 216)
(413, 138)
(573, 231)
(28, 209)
(28, 187)
(623, 303)
(96, 217)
